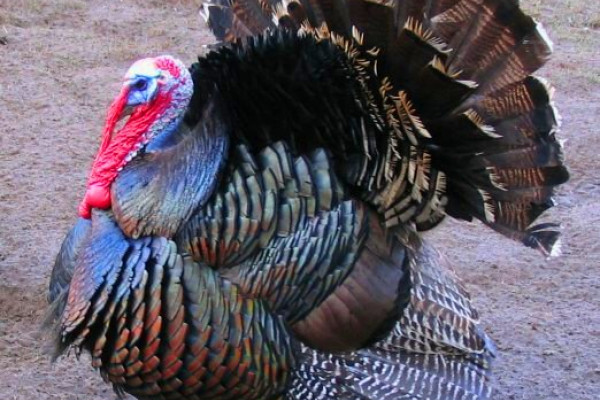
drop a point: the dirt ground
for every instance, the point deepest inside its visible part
(60, 63)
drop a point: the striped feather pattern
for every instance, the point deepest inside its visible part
(375, 374)
(439, 318)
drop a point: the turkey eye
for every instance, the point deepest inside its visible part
(140, 84)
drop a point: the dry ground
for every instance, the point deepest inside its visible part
(60, 64)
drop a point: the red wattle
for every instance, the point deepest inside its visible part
(96, 196)
(115, 148)
(84, 210)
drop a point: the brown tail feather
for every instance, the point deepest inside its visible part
(233, 19)
(472, 133)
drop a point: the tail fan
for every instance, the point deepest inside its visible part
(472, 134)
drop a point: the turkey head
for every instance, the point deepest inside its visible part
(145, 171)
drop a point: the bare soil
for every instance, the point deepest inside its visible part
(60, 63)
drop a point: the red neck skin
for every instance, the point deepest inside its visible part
(115, 148)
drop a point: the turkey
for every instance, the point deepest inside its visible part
(251, 231)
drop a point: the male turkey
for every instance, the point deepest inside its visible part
(250, 232)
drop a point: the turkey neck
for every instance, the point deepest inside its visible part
(303, 90)
(178, 171)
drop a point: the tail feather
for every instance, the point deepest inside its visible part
(472, 133)
(527, 57)
(405, 10)
(433, 8)
(234, 19)
(513, 100)
(336, 15)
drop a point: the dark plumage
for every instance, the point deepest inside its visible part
(261, 240)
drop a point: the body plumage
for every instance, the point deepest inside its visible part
(252, 230)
